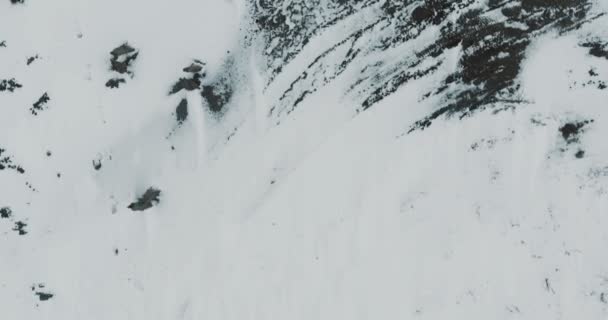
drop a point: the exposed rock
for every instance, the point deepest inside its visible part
(20, 227)
(491, 48)
(123, 49)
(181, 112)
(217, 95)
(97, 164)
(115, 83)
(44, 296)
(121, 62)
(597, 48)
(188, 84)
(40, 104)
(146, 201)
(195, 67)
(6, 162)
(30, 60)
(5, 212)
(9, 85)
(571, 130)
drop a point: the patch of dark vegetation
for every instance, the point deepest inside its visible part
(149, 199)
(40, 104)
(115, 83)
(30, 60)
(571, 130)
(579, 154)
(17, 1)
(20, 228)
(6, 162)
(3, 44)
(181, 112)
(9, 85)
(597, 48)
(5, 212)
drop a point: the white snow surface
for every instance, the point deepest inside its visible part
(330, 214)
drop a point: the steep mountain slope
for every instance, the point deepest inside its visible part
(293, 159)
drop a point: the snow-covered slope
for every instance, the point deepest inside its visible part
(303, 159)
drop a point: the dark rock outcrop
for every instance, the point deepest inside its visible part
(181, 112)
(149, 199)
(490, 36)
(9, 85)
(121, 62)
(40, 104)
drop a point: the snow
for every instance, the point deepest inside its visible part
(330, 214)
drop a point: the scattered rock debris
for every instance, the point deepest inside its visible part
(9, 85)
(6, 162)
(20, 227)
(579, 154)
(30, 186)
(3, 44)
(40, 104)
(147, 200)
(594, 81)
(17, 1)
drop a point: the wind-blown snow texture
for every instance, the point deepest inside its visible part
(303, 159)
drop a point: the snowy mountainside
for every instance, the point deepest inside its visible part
(291, 159)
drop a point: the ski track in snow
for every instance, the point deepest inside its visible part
(303, 159)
